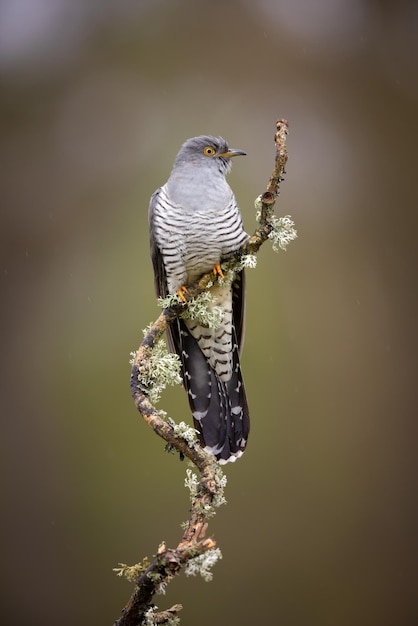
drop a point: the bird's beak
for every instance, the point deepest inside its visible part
(232, 153)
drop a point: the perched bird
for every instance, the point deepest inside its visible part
(195, 223)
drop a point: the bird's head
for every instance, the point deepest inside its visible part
(207, 151)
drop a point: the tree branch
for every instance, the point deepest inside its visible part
(207, 492)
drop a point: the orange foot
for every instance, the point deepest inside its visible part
(181, 292)
(217, 270)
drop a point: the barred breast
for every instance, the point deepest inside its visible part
(192, 243)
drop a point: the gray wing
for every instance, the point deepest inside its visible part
(238, 307)
(160, 277)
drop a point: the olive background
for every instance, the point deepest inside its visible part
(96, 98)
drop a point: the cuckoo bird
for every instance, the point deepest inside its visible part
(195, 223)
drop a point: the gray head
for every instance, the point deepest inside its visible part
(207, 151)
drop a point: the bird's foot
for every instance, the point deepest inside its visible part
(181, 292)
(217, 270)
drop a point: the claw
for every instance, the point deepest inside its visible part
(181, 292)
(217, 270)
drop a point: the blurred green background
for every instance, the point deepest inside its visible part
(96, 98)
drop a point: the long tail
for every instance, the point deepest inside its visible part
(219, 408)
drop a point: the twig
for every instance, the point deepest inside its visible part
(208, 493)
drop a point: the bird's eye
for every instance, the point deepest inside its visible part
(209, 151)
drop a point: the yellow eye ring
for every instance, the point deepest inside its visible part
(209, 151)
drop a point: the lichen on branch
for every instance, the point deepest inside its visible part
(160, 370)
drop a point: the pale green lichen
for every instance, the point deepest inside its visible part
(203, 563)
(218, 499)
(184, 431)
(191, 483)
(161, 369)
(221, 481)
(158, 581)
(229, 269)
(131, 572)
(258, 205)
(151, 618)
(200, 308)
(283, 228)
(248, 260)
(283, 232)
(171, 300)
(160, 589)
(203, 310)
